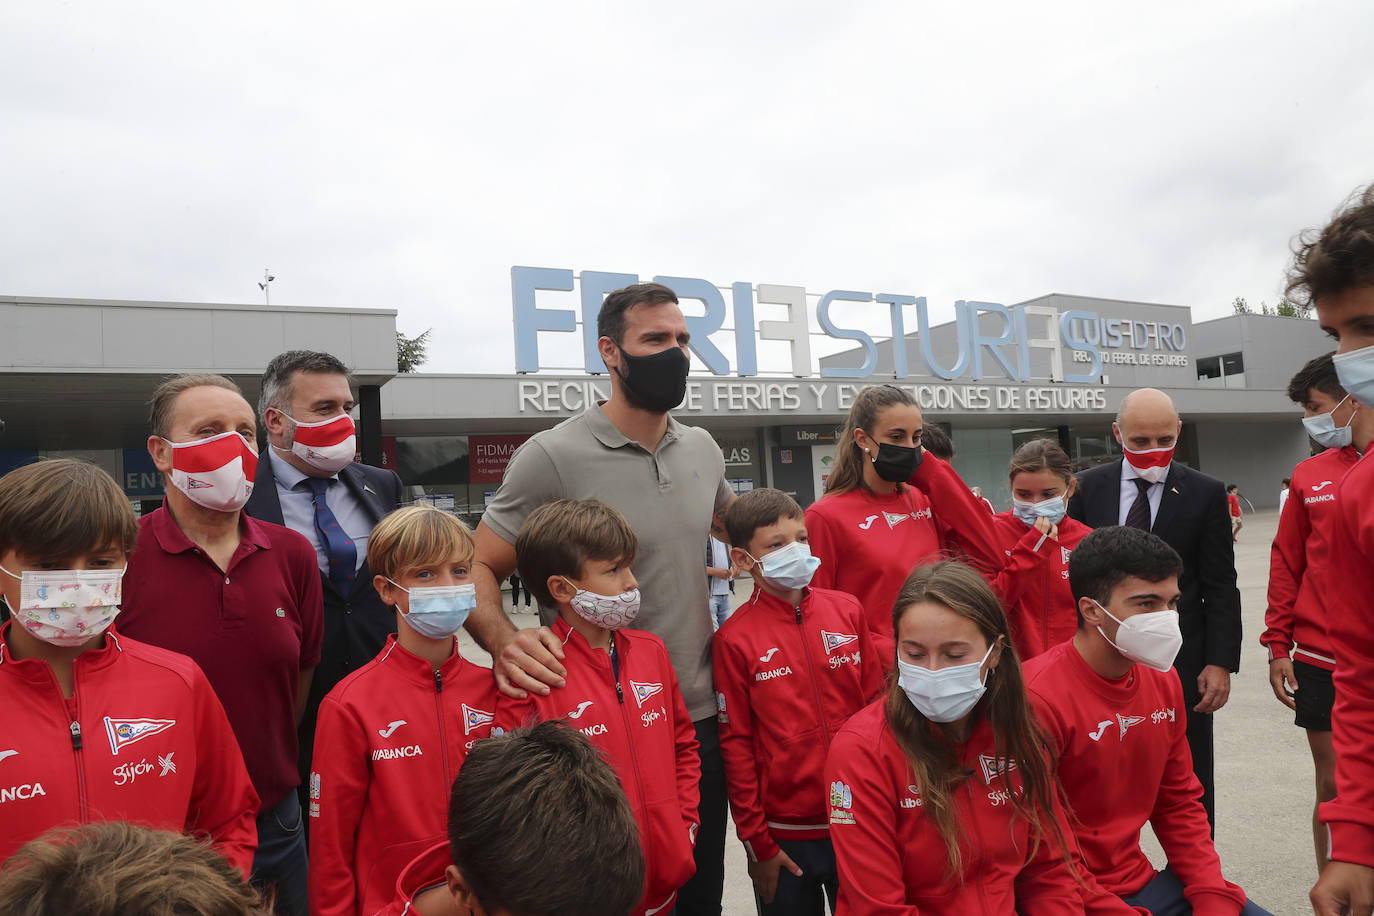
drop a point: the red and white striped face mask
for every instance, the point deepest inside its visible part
(328, 445)
(1151, 464)
(216, 472)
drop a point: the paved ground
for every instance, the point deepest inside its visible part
(1264, 770)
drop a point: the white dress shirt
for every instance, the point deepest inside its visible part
(1129, 492)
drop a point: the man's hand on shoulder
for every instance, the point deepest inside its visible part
(528, 661)
(1214, 683)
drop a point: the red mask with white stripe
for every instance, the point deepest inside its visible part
(328, 445)
(1150, 464)
(216, 472)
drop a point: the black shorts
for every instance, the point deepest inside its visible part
(1315, 696)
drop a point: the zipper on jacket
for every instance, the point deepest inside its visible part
(973, 816)
(1045, 607)
(615, 673)
(634, 757)
(815, 684)
(439, 709)
(77, 755)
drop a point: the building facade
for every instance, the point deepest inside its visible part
(75, 377)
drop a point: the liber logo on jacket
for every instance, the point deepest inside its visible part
(124, 732)
(475, 718)
(644, 691)
(841, 800)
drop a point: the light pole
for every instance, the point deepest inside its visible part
(266, 279)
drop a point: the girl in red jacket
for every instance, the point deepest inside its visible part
(393, 734)
(1037, 537)
(942, 798)
(890, 506)
(100, 727)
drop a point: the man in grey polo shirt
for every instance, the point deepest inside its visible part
(668, 480)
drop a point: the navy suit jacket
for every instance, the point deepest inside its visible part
(356, 625)
(1194, 520)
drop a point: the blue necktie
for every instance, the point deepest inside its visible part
(1139, 514)
(343, 556)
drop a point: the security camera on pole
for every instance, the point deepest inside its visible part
(266, 279)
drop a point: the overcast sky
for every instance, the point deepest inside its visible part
(406, 155)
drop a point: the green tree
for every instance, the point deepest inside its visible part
(1287, 308)
(411, 352)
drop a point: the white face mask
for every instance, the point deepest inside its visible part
(946, 695)
(1355, 370)
(1323, 429)
(1152, 639)
(788, 567)
(438, 611)
(1053, 509)
(328, 445)
(67, 607)
(215, 472)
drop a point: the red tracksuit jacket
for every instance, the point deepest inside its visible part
(892, 860)
(1351, 627)
(1118, 740)
(869, 544)
(787, 678)
(1033, 583)
(1299, 562)
(632, 709)
(142, 739)
(425, 871)
(390, 740)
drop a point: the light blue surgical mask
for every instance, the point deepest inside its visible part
(439, 611)
(1052, 509)
(1324, 430)
(1356, 372)
(789, 567)
(946, 695)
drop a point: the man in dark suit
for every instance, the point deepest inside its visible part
(1151, 491)
(307, 480)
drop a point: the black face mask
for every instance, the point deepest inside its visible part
(656, 383)
(896, 463)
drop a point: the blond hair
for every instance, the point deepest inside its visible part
(415, 537)
(64, 507)
(115, 869)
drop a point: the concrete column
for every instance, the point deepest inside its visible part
(370, 423)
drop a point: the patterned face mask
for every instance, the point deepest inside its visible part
(610, 612)
(67, 607)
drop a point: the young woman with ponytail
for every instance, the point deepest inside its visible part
(942, 796)
(890, 506)
(1037, 537)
